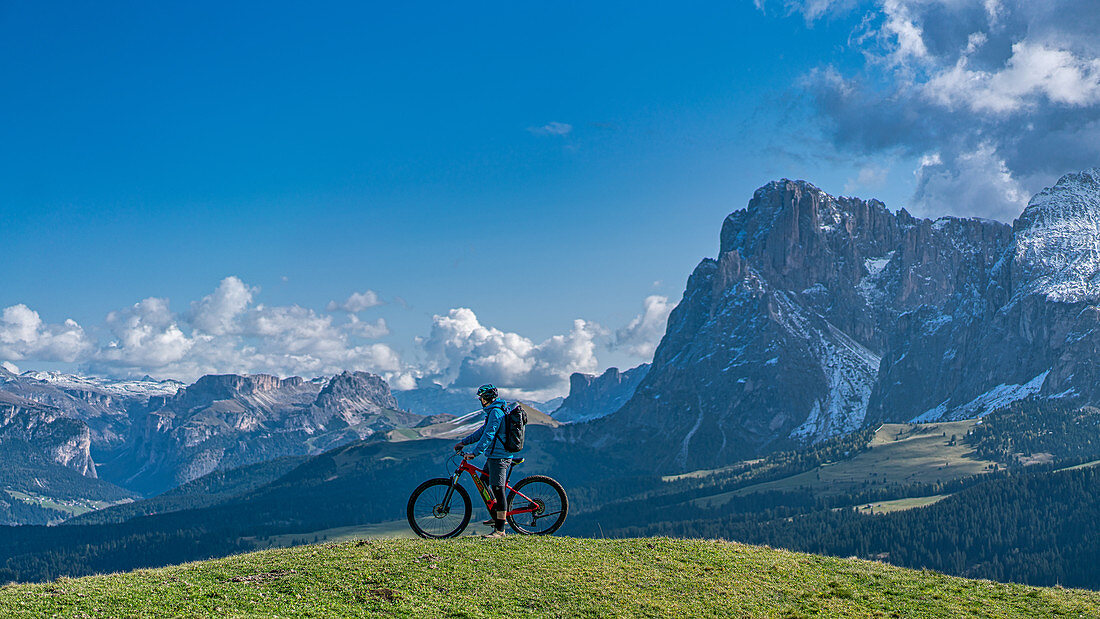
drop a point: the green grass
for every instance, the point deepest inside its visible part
(537, 577)
(393, 529)
(899, 505)
(900, 453)
(1083, 466)
(70, 507)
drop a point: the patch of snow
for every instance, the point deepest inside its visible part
(869, 287)
(1057, 245)
(850, 370)
(875, 266)
(932, 414)
(1068, 393)
(998, 397)
(142, 388)
(936, 323)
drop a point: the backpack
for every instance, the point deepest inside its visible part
(515, 421)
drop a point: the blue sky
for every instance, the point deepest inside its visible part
(533, 164)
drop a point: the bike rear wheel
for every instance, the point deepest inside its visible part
(547, 501)
(430, 518)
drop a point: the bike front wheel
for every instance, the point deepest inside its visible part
(541, 503)
(432, 515)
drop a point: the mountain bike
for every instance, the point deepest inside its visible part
(440, 508)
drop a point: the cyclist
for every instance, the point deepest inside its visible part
(498, 460)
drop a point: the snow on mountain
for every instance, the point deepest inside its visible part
(1058, 241)
(823, 314)
(138, 389)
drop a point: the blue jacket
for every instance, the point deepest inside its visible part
(486, 435)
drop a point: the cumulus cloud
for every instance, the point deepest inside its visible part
(974, 184)
(369, 330)
(216, 312)
(461, 352)
(223, 332)
(146, 335)
(639, 338)
(228, 331)
(357, 302)
(24, 335)
(1005, 92)
(552, 128)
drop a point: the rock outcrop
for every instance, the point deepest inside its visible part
(823, 314)
(102, 404)
(591, 397)
(224, 421)
(62, 440)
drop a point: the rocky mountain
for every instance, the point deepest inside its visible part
(226, 421)
(1030, 326)
(822, 314)
(591, 397)
(433, 399)
(63, 440)
(102, 404)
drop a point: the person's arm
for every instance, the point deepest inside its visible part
(488, 431)
(473, 438)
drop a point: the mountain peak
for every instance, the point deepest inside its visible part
(1057, 246)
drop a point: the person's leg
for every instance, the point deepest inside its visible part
(498, 477)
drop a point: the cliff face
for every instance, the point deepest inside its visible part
(822, 314)
(61, 439)
(591, 397)
(102, 404)
(1031, 329)
(229, 420)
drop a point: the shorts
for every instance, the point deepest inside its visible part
(496, 469)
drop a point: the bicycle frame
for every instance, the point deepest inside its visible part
(486, 494)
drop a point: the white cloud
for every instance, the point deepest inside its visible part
(973, 184)
(146, 335)
(1011, 84)
(369, 330)
(552, 128)
(1032, 73)
(869, 177)
(642, 335)
(216, 312)
(23, 335)
(357, 302)
(462, 352)
(224, 332)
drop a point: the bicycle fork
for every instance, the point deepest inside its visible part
(445, 507)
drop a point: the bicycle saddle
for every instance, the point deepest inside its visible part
(517, 461)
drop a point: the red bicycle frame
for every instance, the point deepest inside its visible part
(486, 495)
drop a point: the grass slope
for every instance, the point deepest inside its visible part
(537, 577)
(900, 453)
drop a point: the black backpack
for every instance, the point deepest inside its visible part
(515, 421)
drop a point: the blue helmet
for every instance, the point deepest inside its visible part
(488, 392)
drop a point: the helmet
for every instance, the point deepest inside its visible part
(488, 392)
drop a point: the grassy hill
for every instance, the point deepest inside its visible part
(538, 577)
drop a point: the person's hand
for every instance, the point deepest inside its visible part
(468, 456)
(458, 446)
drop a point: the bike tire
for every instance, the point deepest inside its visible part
(549, 491)
(434, 490)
